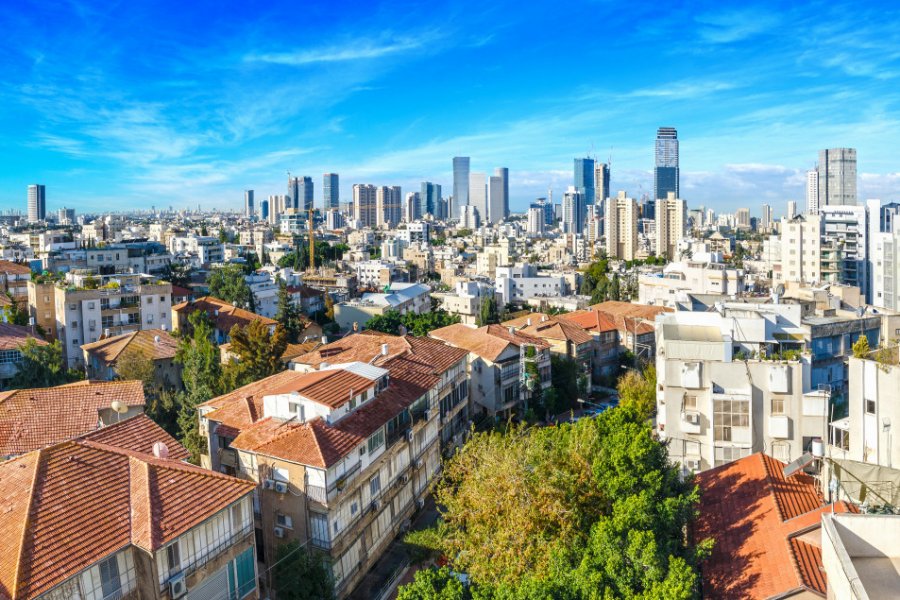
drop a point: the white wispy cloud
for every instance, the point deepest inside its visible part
(730, 26)
(352, 50)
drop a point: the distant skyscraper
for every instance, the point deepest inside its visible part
(293, 192)
(37, 203)
(412, 207)
(460, 186)
(666, 175)
(837, 177)
(765, 222)
(66, 216)
(249, 208)
(584, 180)
(264, 210)
(478, 194)
(430, 199)
(503, 174)
(365, 205)
(671, 224)
(388, 206)
(621, 227)
(535, 220)
(601, 182)
(307, 198)
(573, 210)
(742, 218)
(791, 209)
(496, 195)
(812, 191)
(331, 191)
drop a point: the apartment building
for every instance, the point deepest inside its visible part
(620, 222)
(498, 360)
(119, 304)
(566, 339)
(77, 521)
(14, 278)
(519, 283)
(605, 349)
(223, 316)
(343, 449)
(801, 249)
(156, 345)
(400, 297)
(671, 224)
(12, 338)
(465, 300)
(678, 279)
(42, 306)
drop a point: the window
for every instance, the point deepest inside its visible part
(74, 324)
(778, 405)
(375, 485)
(297, 409)
(727, 415)
(870, 407)
(376, 441)
(173, 558)
(690, 403)
(75, 341)
(284, 521)
(149, 299)
(162, 298)
(91, 305)
(354, 508)
(109, 577)
(318, 525)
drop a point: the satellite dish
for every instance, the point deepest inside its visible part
(160, 450)
(119, 407)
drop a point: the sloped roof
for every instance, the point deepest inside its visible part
(34, 418)
(362, 347)
(590, 320)
(144, 341)
(630, 309)
(9, 267)
(13, 337)
(550, 328)
(223, 315)
(756, 517)
(488, 342)
(138, 433)
(67, 506)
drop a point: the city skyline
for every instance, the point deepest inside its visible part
(108, 119)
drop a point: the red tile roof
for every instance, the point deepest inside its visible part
(34, 418)
(110, 349)
(223, 315)
(756, 517)
(12, 337)
(65, 507)
(12, 268)
(138, 433)
(591, 320)
(488, 342)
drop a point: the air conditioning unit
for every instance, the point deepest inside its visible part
(419, 463)
(268, 484)
(692, 464)
(420, 503)
(279, 532)
(409, 435)
(692, 417)
(281, 487)
(376, 504)
(177, 586)
(404, 478)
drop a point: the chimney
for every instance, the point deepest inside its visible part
(512, 330)
(156, 339)
(384, 349)
(543, 318)
(160, 450)
(528, 322)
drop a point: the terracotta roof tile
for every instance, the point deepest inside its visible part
(753, 513)
(34, 418)
(12, 268)
(138, 433)
(12, 337)
(87, 500)
(487, 342)
(223, 315)
(144, 341)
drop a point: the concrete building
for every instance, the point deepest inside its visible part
(573, 211)
(249, 206)
(502, 205)
(331, 191)
(156, 345)
(365, 205)
(465, 300)
(478, 195)
(837, 177)
(845, 246)
(678, 279)
(535, 221)
(517, 284)
(497, 358)
(621, 227)
(460, 186)
(400, 297)
(601, 183)
(812, 191)
(496, 200)
(37, 203)
(801, 249)
(671, 224)
(469, 217)
(359, 429)
(388, 206)
(742, 219)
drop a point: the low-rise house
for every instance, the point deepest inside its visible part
(498, 360)
(156, 345)
(343, 451)
(606, 348)
(635, 324)
(34, 418)
(14, 278)
(309, 299)
(565, 338)
(90, 518)
(12, 338)
(223, 316)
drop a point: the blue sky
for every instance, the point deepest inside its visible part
(117, 105)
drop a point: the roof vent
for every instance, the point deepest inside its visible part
(324, 365)
(156, 338)
(512, 330)
(528, 321)
(160, 450)
(543, 318)
(384, 349)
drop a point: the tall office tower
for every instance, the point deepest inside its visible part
(264, 210)
(412, 207)
(293, 192)
(666, 176)
(601, 182)
(648, 207)
(573, 210)
(812, 191)
(496, 195)
(460, 186)
(742, 218)
(535, 220)
(584, 180)
(331, 191)
(306, 200)
(478, 194)
(671, 223)
(792, 209)
(249, 208)
(621, 227)
(388, 206)
(365, 204)
(430, 198)
(765, 221)
(545, 206)
(503, 174)
(837, 177)
(66, 216)
(37, 203)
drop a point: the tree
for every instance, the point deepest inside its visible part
(861, 347)
(15, 312)
(614, 290)
(489, 314)
(301, 575)
(135, 365)
(202, 376)
(587, 510)
(227, 283)
(587, 285)
(178, 274)
(258, 353)
(288, 314)
(42, 366)
(329, 307)
(434, 584)
(419, 325)
(637, 390)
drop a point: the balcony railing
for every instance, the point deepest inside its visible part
(213, 552)
(317, 493)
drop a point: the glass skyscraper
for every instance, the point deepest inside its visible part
(460, 186)
(584, 179)
(331, 191)
(666, 177)
(430, 199)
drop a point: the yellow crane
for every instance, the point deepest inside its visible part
(312, 241)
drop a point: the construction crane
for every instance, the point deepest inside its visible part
(312, 240)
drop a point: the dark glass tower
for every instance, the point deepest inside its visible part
(666, 174)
